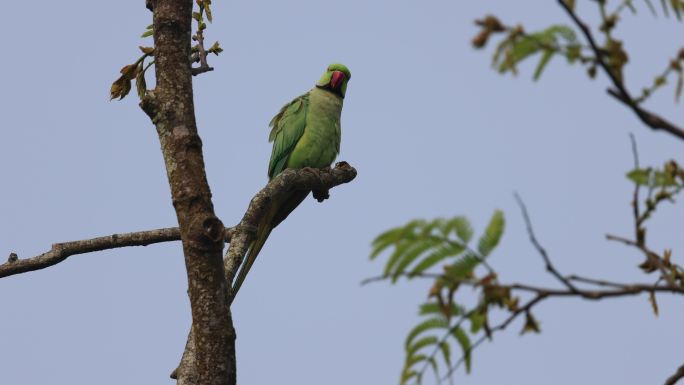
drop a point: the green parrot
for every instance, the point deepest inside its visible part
(305, 133)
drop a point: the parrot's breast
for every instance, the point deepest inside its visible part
(320, 143)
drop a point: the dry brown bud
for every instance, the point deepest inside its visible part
(480, 40)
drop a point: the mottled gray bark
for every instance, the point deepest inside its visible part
(171, 108)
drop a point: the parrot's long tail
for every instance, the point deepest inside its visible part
(276, 214)
(263, 232)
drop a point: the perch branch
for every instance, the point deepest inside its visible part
(243, 234)
(303, 179)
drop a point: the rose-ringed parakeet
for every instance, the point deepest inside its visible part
(305, 133)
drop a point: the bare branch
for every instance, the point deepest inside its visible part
(619, 289)
(620, 92)
(61, 251)
(542, 294)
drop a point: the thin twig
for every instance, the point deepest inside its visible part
(635, 196)
(202, 53)
(651, 255)
(542, 294)
(549, 266)
(597, 282)
(678, 375)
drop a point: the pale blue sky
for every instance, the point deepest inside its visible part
(432, 130)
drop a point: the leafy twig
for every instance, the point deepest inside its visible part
(620, 92)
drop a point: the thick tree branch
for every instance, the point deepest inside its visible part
(620, 92)
(61, 251)
(243, 234)
(318, 181)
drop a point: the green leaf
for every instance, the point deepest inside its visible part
(428, 324)
(412, 360)
(492, 235)
(207, 9)
(197, 16)
(147, 33)
(399, 251)
(562, 31)
(640, 176)
(417, 249)
(407, 375)
(545, 58)
(663, 179)
(439, 254)
(385, 240)
(429, 308)
(435, 368)
(519, 47)
(435, 224)
(140, 84)
(654, 303)
(518, 51)
(531, 324)
(146, 50)
(462, 268)
(215, 48)
(461, 226)
(421, 343)
(464, 342)
(477, 320)
(572, 52)
(651, 7)
(675, 7)
(665, 10)
(446, 352)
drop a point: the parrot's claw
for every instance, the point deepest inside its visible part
(312, 170)
(321, 195)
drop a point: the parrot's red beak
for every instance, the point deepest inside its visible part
(337, 79)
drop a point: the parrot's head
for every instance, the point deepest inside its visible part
(335, 79)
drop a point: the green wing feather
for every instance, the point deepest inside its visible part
(287, 128)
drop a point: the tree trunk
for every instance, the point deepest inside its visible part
(170, 106)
